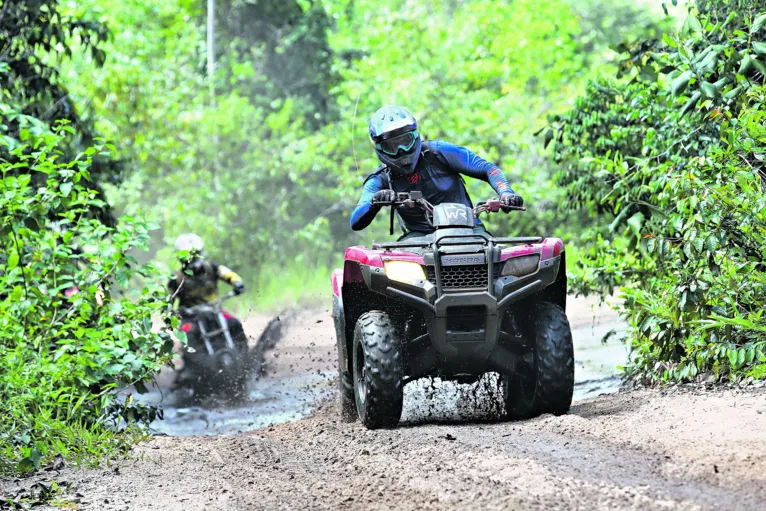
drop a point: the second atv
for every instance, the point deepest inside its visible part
(215, 362)
(456, 304)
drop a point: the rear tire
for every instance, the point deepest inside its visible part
(544, 379)
(378, 361)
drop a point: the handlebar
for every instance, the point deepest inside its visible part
(493, 206)
(214, 306)
(407, 200)
(415, 199)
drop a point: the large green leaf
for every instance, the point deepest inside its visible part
(635, 222)
(679, 84)
(13, 260)
(758, 23)
(709, 90)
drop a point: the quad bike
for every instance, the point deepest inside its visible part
(214, 360)
(456, 304)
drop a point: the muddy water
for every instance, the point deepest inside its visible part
(597, 362)
(300, 372)
(269, 401)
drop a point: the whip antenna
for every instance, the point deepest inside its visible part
(353, 126)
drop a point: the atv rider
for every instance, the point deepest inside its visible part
(433, 168)
(197, 283)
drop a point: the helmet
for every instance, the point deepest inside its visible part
(191, 243)
(394, 133)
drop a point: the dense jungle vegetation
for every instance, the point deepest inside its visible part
(637, 137)
(669, 159)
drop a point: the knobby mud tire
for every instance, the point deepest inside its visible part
(544, 382)
(378, 376)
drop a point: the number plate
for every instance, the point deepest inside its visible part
(463, 259)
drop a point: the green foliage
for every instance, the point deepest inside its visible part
(291, 44)
(34, 38)
(269, 174)
(266, 169)
(671, 162)
(29, 33)
(298, 285)
(70, 332)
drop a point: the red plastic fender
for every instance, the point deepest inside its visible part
(551, 248)
(337, 282)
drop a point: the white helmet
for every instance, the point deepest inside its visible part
(189, 242)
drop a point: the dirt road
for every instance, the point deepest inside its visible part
(673, 449)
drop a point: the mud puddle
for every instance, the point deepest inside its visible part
(596, 362)
(269, 401)
(300, 371)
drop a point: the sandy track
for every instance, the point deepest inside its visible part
(640, 450)
(674, 449)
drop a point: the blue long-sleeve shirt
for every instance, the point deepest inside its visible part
(438, 176)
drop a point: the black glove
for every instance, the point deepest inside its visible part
(239, 287)
(384, 196)
(511, 199)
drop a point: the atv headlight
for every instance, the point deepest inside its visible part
(520, 266)
(404, 271)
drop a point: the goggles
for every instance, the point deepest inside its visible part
(404, 142)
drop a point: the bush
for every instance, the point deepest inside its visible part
(672, 164)
(70, 333)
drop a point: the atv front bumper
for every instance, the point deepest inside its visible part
(464, 327)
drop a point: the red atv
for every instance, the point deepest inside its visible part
(456, 304)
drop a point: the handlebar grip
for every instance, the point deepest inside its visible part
(495, 206)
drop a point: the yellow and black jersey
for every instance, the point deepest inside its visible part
(197, 283)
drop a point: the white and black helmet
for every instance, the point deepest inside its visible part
(191, 243)
(394, 133)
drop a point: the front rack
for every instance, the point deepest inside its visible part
(426, 244)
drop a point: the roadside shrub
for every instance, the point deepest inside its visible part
(672, 163)
(70, 331)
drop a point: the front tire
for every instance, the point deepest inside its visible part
(378, 361)
(544, 379)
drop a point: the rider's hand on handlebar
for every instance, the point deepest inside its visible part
(239, 287)
(512, 200)
(384, 196)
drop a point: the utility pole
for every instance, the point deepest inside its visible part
(211, 49)
(211, 85)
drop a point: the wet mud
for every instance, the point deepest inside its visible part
(296, 360)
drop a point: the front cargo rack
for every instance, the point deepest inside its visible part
(426, 244)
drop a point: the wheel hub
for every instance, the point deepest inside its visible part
(361, 376)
